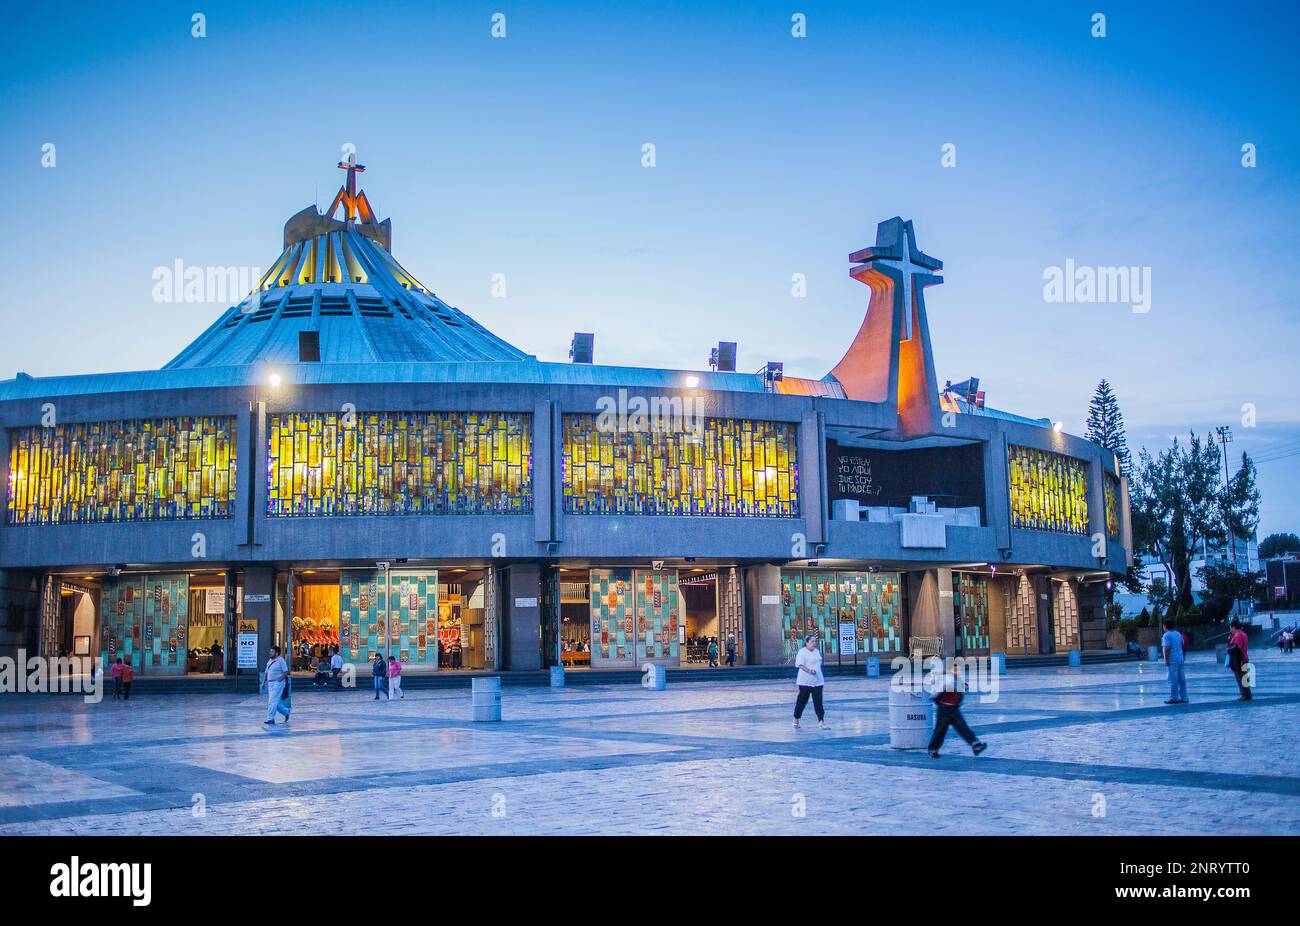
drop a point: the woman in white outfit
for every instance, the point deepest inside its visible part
(277, 676)
(810, 680)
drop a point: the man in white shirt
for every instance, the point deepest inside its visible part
(810, 680)
(336, 667)
(277, 676)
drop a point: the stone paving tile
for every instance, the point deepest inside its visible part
(28, 782)
(280, 757)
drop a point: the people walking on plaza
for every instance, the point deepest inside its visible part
(947, 713)
(1238, 658)
(395, 679)
(380, 671)
(336, 669)
(713, 652)
(116, 673)
(1171, 645)
(810, 680)
(128, 675)
(276, 684)
(1285, 641)
(731, 652)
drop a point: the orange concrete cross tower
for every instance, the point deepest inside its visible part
(890, 360)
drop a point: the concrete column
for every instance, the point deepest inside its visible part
(546, 464)
(812, 475)
(259, 605)
(521, 616)
(947, 611)
(997, 497)
(763, 615)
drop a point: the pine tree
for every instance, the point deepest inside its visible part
(1106, 425)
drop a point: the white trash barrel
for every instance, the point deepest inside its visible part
(1076, 658)
(557, 676)
(911, 716)
(654, 677)
(873, 667)
(485, 693)
(1000, 663)
(1153, 654)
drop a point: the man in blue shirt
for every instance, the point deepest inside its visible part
(1172, 645)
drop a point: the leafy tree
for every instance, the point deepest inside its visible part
(1106, 425)
(1179, 504)
(1225, 585)
(1277, 544)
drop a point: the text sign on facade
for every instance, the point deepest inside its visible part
(247, 652)
(848, 639)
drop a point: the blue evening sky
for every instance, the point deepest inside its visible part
(775, 156)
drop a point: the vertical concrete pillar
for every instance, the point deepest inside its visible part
(259, 605)
(521, 616)
(947, 611)
(546, 464)
(812, 475)
(997, 498)
(763, 615)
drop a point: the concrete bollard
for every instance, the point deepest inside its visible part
(485, 694)
(1153, 653)
(557, 676)
(1076, 659)
(873, 667)
(911, 717)
(653, 677)
(999, 663)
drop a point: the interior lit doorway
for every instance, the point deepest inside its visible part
(575, 618)
(701, 629)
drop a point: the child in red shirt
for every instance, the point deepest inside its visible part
(127, 675)
(116, 673)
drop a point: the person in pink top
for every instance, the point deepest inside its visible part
(1238, 658)
(395, 679)
(116, 673)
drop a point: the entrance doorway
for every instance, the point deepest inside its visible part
(702, 628)
(427, 618)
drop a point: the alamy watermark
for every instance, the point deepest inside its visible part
(52, 675)
(1118, 285)
(656, 414)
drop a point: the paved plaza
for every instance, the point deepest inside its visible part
(1089, 751)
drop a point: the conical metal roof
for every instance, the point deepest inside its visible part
(339, 279)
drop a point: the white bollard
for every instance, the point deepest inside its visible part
(485, 694)
(911, 716)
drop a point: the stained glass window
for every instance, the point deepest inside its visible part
(157, 469)
(971, 611)
(733, 467)
(1112, 506)
(816, 602)
(399, 463)
(1049, 491)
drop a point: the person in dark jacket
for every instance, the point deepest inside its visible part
(731, 652)
(380, 672)
(947, 705)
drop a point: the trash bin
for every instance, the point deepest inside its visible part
(557, 676)
(485, 695)
(873, 667)
(1076, 658)
(653, 677)
(999, 662)
(1153, 654)
(911, 716)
